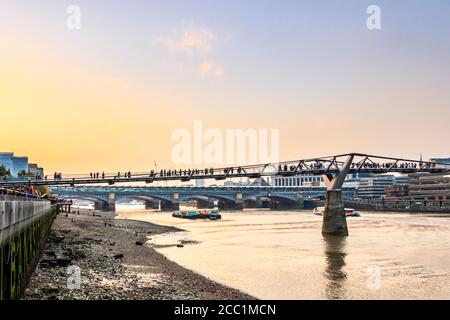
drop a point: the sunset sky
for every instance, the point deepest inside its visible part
(108, 96)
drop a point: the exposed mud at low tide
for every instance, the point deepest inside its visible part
(114, 263)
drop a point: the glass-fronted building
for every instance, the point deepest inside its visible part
(6, 160)
(20, 166)
(15, 164)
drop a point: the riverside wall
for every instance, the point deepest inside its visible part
(24, 226)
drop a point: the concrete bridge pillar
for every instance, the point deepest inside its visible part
(239, 202)
(111, 202)
(334, 219)
(176, 201)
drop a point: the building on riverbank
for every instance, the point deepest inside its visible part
(19, 164)
(34, 169)
(377, 187)
(351, 180)
(430, 189)
(13, 163)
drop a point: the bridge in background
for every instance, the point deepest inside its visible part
(170, 198)
(333, 169)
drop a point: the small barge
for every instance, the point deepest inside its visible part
(197, 214)
(347, 211)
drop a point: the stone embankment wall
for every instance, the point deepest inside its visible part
(24, 226)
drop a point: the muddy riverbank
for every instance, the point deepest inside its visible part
(114, 263)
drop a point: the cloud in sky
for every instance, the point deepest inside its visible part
(191, 40)
(196, 42)
(208, 68)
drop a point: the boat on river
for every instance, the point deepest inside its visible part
(349, 212)
(211, 214)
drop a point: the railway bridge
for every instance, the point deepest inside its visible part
(170, 198)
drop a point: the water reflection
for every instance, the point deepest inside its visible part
(334, 248)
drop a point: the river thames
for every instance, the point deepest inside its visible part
(282, 255)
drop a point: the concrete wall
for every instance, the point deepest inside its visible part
(14, 212)
(24, 227)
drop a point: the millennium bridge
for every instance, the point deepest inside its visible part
(333, 170)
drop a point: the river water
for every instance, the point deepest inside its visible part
(282, 255)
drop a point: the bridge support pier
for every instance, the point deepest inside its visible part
(111, 202)
(334, 219)
(176, 201)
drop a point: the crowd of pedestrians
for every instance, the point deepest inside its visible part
(96, 175)
(320, 165)
(197, 172)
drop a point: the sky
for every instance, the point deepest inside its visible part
(108, 96)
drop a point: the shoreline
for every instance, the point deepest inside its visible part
(114, 264)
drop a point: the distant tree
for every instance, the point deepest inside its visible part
(4, 172)
(43, 190)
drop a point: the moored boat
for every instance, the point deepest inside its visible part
(349, 212)
(197, 214)
(318, 211)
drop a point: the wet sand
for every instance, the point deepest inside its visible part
(115, 263)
